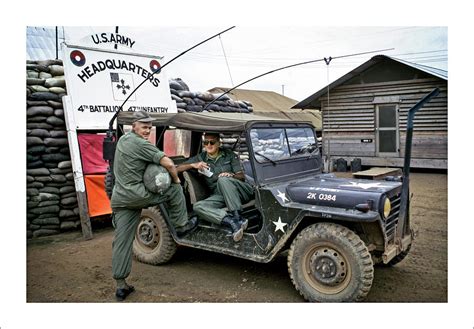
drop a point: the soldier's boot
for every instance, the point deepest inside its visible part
(235, 226)
(244, 222)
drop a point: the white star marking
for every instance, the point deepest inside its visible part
(279, 225)
(282, 196)
(365, 186)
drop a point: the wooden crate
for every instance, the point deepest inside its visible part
(377, 173)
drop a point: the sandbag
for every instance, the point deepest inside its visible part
(213, 107)
(199, 101)
(175, 85)
(182, 83)
(43, 133)
(37, 119)
(33, 141)
(44, 96)
(57, 70)
(194, 108)
(55, 121)
(39, 110)
(189, 101)
(223, 98)
(34, 81)
(37, 88)
(176, 98)
(205, 96)
(185, 93)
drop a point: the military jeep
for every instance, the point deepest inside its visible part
(333, 230)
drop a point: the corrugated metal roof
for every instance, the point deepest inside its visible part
(41, 42)
(306, 103)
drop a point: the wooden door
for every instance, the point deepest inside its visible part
(387, 134)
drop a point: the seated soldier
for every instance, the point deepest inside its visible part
(223, 175)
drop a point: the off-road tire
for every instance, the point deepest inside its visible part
(324, 248)
(153, 243)
(109, 182)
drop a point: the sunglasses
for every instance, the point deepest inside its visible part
(209, 142)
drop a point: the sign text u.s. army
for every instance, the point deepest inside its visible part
(114, 38)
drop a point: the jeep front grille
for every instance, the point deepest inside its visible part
(392, 219)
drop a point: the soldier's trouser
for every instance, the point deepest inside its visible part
(230, 193)
(125, 222)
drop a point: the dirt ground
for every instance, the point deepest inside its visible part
(65, 268)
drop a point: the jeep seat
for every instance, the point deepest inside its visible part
(198, 190)
(248, 172)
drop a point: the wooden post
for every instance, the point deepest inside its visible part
(77, 169)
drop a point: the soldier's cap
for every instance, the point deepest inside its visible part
(142, 116)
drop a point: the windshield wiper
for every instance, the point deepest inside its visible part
(265, 157)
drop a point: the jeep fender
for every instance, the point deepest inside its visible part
(322, 214)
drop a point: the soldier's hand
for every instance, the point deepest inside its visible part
(200, 165)
(226, 174)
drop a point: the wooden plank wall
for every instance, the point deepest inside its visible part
(350, 118)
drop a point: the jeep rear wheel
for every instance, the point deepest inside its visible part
(153, 243)
(330, 263)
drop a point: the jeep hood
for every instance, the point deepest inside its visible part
(342, 192)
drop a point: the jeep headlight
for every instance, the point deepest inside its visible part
(387, 207)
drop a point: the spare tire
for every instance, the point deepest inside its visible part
(109, 182)
(156, 178)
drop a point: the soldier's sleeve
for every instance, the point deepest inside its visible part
(196, 158)
(192, 160)
(150, 153)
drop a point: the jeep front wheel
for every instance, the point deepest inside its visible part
(330, 263)
(153, 243)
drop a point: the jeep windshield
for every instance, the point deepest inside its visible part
(274, 144)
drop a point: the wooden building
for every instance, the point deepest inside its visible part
(365, 113)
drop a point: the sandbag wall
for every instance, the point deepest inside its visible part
(189, 101)
(51, 195)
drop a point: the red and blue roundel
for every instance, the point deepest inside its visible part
(77, 58)
(155, 66)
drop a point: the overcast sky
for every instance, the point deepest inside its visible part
(251, 51)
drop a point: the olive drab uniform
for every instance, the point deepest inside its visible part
(226, 191)
(130, 196)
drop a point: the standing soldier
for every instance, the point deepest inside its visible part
(134, 152)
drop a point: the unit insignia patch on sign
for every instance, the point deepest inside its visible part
(122, 86)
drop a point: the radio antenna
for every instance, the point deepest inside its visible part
(158, 70)
(293, 65)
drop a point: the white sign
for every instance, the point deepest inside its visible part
(99, 81)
